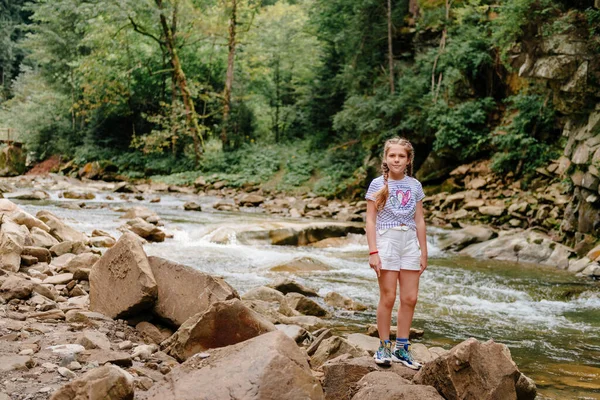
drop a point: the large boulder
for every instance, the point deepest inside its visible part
(61, 231)
(42, 238)
(476, 370)
(184, 291)
(224, 323)
(23, 218)
(16, 288)
(387, 385)
(107, 383)
(270, 366)
(121, 282)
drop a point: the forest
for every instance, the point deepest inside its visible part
(301, 93)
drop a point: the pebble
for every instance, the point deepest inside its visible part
(120, 335)
(26, 352)
(67, 373)
(45, 389)
(74, 366)
(49, 366)
(125, 345)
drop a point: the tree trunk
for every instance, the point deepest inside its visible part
(390, 49)
(181, 80)
(229, 78)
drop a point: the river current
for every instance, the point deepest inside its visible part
(549, 319)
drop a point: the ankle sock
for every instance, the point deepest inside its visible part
(402, 342)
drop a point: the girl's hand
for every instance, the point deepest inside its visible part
(423, 263)
(375, 263)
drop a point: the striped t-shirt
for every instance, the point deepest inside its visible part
(401, 204)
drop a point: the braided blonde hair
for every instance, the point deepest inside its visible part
(381, 196)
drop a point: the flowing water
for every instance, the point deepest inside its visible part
(549, 319)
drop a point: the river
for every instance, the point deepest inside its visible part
(548, 318)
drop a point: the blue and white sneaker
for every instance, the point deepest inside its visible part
(383, 356)
(403, 355)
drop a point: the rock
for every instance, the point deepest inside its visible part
(225, 206)
(414, 332)
(264, 293)
(137, 212)
(94, 340)
(61, 231)
(59, 279)
(61, 261)
(325, 334)
(528, 246)
(342, 373)
(298, 333)
(387, 385)
(223, 324)
(23, 218)
(494, 211)
(67, 247)
(251, 200)
(107, 382)
(144, 351)
(474, 370)
(121, 282)
(12, 240)
(42, 254)
(16, 288)
(42, 239)
(184, 291)
(80, 316)
(105, 356)
(102, 241)
(594, 254)
(145, 230)
(592, 270)
(286, 285)
(78, 195)
(191, 206)
(300, 265)
(269, 366)
(35, 195)
(364, 342)
(337, 300)
(579, 265)
(66, 372)
(304, 305)
(15, 363)
(333, 347)
(308, 322)
(459, 239)
(151, 332)
(58, 315)
(81, 261)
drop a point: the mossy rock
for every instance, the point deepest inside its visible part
(12, 161)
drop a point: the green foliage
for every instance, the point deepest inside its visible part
(462, 129)
(526, 142)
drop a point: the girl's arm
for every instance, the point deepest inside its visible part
(421, 233)
(374, 260)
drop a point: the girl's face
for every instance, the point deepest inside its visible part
(397, 159)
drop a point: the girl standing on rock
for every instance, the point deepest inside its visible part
(397, 246)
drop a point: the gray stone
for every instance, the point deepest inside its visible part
(107, 382)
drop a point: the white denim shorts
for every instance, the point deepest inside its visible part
(399, 249)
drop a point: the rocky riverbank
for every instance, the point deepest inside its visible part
(487, 216)
(116, 324)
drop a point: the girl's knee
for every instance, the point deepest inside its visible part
(387, 300)
(408, 300)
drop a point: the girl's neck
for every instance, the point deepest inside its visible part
(395, 177)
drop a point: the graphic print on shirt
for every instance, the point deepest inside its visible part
(400, 199)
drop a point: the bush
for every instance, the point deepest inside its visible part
(527, 141)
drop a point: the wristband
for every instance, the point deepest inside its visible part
(373, 252)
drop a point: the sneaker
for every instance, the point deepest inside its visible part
(404, 356)
(383, 356)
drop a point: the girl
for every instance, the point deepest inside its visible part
(397, 246)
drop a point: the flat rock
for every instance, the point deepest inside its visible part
(270, 366)
(333, 347)
(105, 356)
(387, 385)
(59, 279)
(93, 340)
(286, 285)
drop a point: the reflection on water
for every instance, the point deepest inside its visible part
(549, 319)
